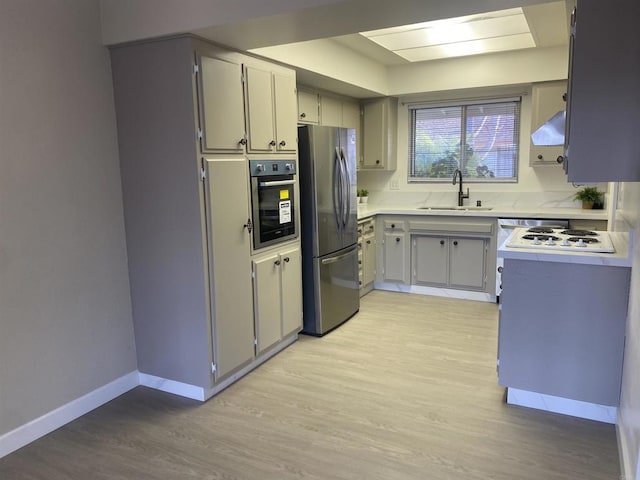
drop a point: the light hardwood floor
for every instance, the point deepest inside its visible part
(406, 389)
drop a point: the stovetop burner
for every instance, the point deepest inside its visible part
(584, 239)
(579, 233)
(540, 230)
(541, 237)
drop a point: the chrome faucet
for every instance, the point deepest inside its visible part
(461, 195)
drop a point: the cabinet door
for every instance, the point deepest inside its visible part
(546, 100)
(351, 119)
(373, 132)
(307, 107)
(331, 112)
(229, 256)
(430, 260)
(286, 111)
(394, 257)
(260, 121)
(267, 299)
(369, 260)
(221, 108)
(291, 291)
(467, 258)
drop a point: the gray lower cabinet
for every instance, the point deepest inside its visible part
(394, 257)
(277, 296)
(562, 329)
(444, 261)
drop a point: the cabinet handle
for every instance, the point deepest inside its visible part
(368, 242)
(303, 115)
(359, 262)
(397, 239)
(540, 157)
(455, 243)
(500, 269)
(286, 259)
(393, 225)
(277, 263)
(243, 141)
(272, 143)
(359, 231)
(370, 227)
(283, 143)
(560, 159)
(248, 225)
(377, 162)
(441, 242)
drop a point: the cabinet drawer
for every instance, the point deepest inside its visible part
(394, 225)
(479, 227)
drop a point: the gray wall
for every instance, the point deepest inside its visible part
(65, 311)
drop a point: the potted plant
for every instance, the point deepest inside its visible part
(363, 195)
(590, 197)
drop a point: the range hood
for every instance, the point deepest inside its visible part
(551, 133)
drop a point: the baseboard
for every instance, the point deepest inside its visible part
(435, 291)
(47, 423)
(171, 386)
(551, 403)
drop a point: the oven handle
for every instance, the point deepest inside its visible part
(276, 183)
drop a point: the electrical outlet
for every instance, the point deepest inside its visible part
(394, 185)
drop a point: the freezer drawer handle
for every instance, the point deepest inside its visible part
(327, 261)
(276, 183)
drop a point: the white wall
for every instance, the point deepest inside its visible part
(65, 311)
(629, 416)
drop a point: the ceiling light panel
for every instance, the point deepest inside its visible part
(470, 35)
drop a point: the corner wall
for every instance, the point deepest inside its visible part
(628, 216)
(65, 310)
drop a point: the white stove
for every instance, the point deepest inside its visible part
(563, 239)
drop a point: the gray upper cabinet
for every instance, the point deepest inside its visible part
(271, 110)
(308, 107)
(220, 90)
(546, 101)
(604, 98)
(379, 120)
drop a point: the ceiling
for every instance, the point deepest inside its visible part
(547, 22)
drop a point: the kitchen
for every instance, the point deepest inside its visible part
(29, 338)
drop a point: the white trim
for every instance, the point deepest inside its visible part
(435, 291)
(50, 421)
(551, 403)
(171, 386)
(624, 452)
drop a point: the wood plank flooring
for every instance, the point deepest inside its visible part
(405, 390)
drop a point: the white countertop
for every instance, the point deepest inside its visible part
(365, 211)
(622, 257)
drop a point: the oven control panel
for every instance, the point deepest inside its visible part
(269, 168)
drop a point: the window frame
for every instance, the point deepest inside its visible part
(463, 103)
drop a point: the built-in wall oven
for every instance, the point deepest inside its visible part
(273, 201)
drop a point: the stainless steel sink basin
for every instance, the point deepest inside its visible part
(456, 208)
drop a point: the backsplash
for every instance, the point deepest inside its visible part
(546, 199)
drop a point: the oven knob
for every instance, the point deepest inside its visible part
(259, 168)
(288, 167)
(565, 243)
(550, 241)
(580, 243)
(536, 241)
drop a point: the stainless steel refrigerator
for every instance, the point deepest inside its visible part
(328, 211)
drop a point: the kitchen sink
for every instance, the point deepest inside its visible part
(456, 208)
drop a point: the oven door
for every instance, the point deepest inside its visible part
(272, 200)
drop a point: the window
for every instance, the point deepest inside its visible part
(489, 132)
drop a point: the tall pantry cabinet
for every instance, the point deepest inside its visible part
(182, 132)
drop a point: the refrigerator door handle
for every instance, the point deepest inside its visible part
(337, 258)
(337, 190)
(347, 190)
